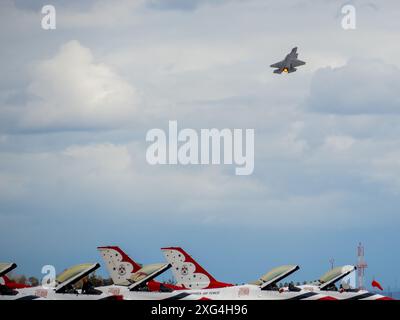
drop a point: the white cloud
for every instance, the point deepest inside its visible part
(203, 70)
(362, 86)
(73, 91)
(185, 5)
(286, 143)
(338, 142)
(102, 14)
(117, 175)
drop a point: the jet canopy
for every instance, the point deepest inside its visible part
(147, 273)
(270, 279)
(6, 267)
(73, 274)
(334, 275)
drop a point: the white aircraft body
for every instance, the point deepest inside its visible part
(62, 289)
(8, 293)
(133, 281)
(326, 285)
(200, 283)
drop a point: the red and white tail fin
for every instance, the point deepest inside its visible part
(119, 265)
(187, 272)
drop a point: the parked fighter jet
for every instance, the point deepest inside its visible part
(62, 289)
(289, 64)
(135, 282)
(7, 287)
(124, 271)
(5, 281)
(326, 284)
(190, 274)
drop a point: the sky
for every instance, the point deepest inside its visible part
(76, 104)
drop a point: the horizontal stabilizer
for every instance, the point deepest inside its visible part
(277, 65)
(297, 63)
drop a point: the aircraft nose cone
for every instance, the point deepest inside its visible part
(327, 298)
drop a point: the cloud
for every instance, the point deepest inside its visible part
(184, 5)
(338, 142)
(111, 175)
(386, 169)
(315, 167)
(72, 91)
(101, 14)
(12, 186)
(362, 86)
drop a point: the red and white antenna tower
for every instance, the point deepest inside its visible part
(361, 266)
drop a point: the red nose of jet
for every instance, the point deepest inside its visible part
(385, 298)
(327, 298)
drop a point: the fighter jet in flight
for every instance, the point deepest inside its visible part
(289, 64)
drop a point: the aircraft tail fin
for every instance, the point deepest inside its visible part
(188, 272)
(119, 265)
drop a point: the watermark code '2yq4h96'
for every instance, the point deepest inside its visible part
(209, 146)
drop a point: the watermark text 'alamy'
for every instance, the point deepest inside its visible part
(187, 146)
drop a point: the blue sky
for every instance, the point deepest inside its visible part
(76, 104)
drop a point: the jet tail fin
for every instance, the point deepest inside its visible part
(119, 265)
(188, 272)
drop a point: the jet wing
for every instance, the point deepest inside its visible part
(147, 273)
(277, 65)
(297, 63)
(6, 268)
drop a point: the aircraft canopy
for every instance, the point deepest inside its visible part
(74, 274)
(335, 275)
(6, 267)
(147, 273)
(275, 275)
